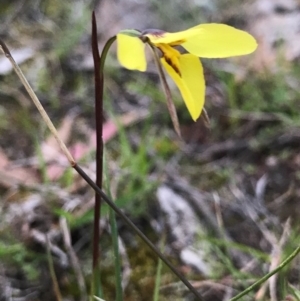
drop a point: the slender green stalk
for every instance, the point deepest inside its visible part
(267, 276)
(117, 259)
(158, 276)
(115, 241)
(157, 281)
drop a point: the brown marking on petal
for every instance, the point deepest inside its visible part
(171, 56)
(169, 61)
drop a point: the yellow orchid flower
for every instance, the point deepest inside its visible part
(204, 40)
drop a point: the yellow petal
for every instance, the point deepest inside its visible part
(191, 82)
(131, 52)
(172, 38)
(218, 41)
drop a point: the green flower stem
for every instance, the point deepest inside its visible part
(117, 259)
(158, 273)
(267, 276)
(157, 281)
(115, 240)
(104, 53)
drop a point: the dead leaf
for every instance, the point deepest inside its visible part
(10, 175)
